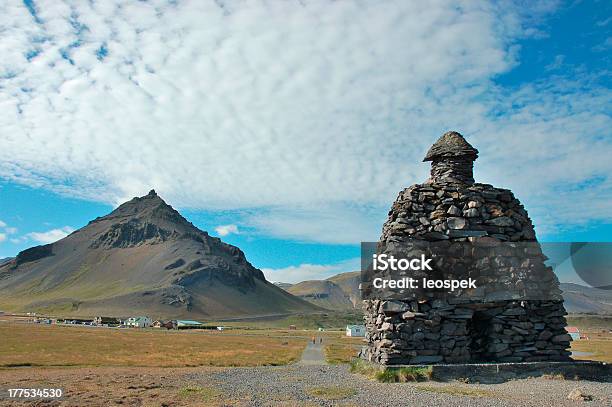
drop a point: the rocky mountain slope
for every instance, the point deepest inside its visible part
(340, 292)
(142, 258)
(349, 284)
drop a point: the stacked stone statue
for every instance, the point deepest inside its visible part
(451, 207)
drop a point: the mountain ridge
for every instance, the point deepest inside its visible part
(339, 292)
(143, 257)
(578, 299)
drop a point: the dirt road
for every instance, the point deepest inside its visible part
(313, 354)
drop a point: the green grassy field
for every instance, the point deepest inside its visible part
(40, 345)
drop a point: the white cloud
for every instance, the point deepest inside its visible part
(10, 230)
(303, 272)
(224, 230)
(336, 224)
(51, 235)
(317, 112)
(556, 64)
(7, 230)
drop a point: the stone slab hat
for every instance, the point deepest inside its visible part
(451, 144)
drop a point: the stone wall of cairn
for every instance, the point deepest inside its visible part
(451, 207)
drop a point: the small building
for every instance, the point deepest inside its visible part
(573, 332)
(78, 321)
(188, 324)
(106, 321)
(292, 327)
(355, 330)
(138, 322)
(170, 324)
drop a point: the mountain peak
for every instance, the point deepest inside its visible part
(143, 220)
(140, 205)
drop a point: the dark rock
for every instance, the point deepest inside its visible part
(456, 223)
(392, 307)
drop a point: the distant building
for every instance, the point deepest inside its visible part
(106, 321)
(573, 332)
(138, 322)
(188, 324)
(78, 321)
(355, 330)
(292, 327)
(171, 324)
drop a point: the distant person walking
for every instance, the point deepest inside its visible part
(321, 340)
(313, 340)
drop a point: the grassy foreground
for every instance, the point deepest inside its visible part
(35, 345)
(342, 351)
(598, 349)
(391, 374)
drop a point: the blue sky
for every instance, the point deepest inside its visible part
(288, 128)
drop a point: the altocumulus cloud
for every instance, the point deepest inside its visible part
(319, 107)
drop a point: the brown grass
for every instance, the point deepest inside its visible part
(338, 353)
(341, 349)
(35, 345)
(205, 394)
(601, 349)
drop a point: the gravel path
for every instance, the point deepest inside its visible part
(294, 385)
(313, 355)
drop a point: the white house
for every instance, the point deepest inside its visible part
(355, 330)
(139, 322)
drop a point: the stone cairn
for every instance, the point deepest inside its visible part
(451, 207)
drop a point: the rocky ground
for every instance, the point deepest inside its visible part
(308, 383)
